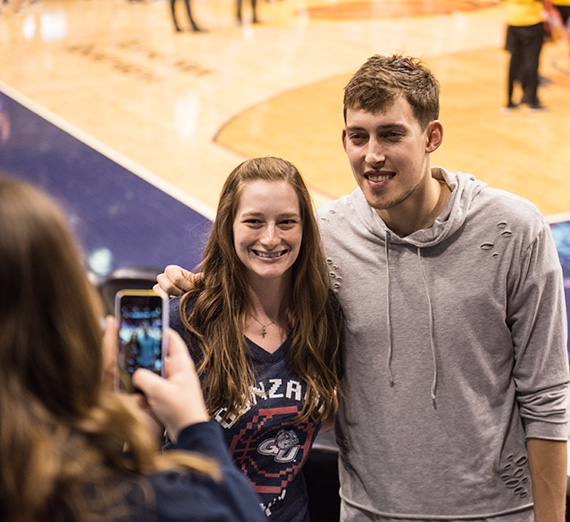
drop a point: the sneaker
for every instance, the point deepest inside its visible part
(537, 107)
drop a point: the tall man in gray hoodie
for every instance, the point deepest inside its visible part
(456, 370)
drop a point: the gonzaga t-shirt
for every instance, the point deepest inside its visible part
(263, 441)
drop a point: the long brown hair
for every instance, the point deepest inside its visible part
(60, 431)
(221, 304)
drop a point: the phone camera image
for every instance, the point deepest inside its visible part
(141, 324)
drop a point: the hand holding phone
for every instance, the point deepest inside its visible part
(177, 399)
(142, 318)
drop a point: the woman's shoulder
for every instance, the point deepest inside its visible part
(177, 324)
(175, 317)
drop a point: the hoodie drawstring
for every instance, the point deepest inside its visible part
(388, 325)
(432, 342)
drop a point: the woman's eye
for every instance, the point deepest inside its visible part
(288, 223)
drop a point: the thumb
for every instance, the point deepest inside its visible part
(178, 359)
(147, 381)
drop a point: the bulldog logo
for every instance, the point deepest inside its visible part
(284, 446)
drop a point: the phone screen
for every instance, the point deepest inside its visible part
(141, 322)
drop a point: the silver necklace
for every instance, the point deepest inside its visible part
(263, 326)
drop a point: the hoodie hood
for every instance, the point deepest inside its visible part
(464, 188)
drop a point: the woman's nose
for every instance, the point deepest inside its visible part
(269, 236)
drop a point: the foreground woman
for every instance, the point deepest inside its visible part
(70, 450)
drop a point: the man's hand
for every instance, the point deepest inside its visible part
(176, 400)
(175, 280)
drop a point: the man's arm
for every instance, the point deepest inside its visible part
(548, 473)
(538, 320)
(175, 280)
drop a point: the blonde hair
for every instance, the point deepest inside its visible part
(61, 435)
(221, 303)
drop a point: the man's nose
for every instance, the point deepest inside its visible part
(374, 152)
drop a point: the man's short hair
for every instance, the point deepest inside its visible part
(382, 79)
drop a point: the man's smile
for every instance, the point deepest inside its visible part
(377, 177)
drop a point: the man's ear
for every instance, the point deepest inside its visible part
(434, 135)
(344, 139)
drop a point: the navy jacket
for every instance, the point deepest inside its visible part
(192, 497)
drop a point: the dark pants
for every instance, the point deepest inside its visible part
(253, 8)
(524, 43)
(188, 10)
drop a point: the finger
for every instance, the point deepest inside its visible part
(174, 272)
(147, 381)
(164, 284)
(110, 327)
(140, 400)
(182, 279)
(149, 417)
(178, 358)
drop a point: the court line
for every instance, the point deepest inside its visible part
(558, 218)
(110, 153)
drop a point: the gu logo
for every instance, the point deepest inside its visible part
(284, 447)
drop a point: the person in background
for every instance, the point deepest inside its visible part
(71, 449)
(239, 6)
(193, 24)
(147, 347)
(264, 330)
(525, 36)
(455, 369)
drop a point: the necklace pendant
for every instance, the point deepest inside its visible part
(263, 331)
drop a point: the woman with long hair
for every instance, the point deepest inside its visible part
(72, 450)
(263, 329)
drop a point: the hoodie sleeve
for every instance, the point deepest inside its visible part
(194, 497)
(537, 318)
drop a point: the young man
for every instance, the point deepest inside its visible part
(456, 371)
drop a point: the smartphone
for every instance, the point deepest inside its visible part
(142, 319)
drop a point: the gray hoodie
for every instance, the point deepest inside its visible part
(454, 352)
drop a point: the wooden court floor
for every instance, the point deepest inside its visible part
(187, 107)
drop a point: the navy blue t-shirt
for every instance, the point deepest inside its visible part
(264, 442)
